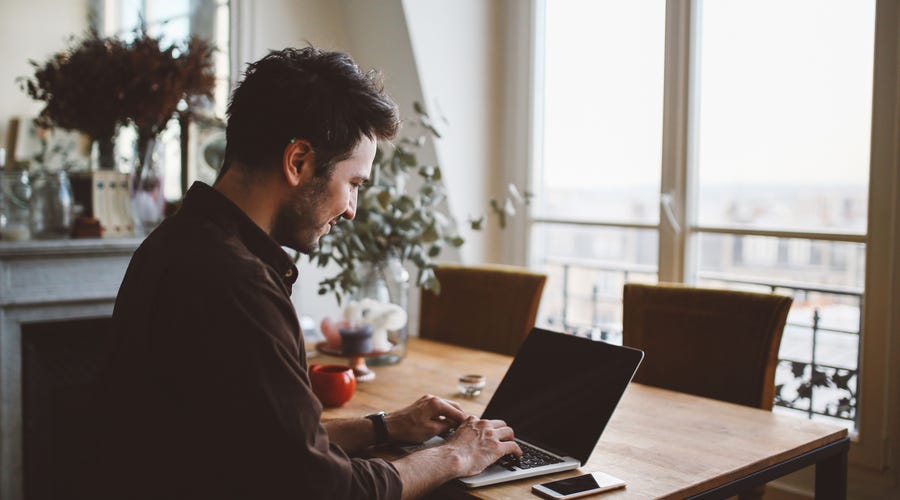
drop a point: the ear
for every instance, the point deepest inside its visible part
(299, 162)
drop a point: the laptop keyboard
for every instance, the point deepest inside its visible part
(531, 457)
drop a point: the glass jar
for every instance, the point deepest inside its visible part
(388, 282)
(51, 205)
(147, 200)
(15, 205)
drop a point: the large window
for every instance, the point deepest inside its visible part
(725, 144)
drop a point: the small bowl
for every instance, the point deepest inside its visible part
(334, 385)
(471, 385)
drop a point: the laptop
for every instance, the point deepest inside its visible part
(558, 395)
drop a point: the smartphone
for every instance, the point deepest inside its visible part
(578, 486)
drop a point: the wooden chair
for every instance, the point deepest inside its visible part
(487, 307)
(720, 344)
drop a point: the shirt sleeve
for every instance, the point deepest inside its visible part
(239, 374)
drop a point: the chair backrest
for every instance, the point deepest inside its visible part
(487, 307)
(720, 344)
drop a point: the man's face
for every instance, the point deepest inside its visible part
(319, 203)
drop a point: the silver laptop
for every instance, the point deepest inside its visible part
(558, 395)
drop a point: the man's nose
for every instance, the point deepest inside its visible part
(350, 212)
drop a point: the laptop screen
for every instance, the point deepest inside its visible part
(561, 390)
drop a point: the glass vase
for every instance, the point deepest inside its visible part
(51, 205)
(106, 158)
(147, 199)
(15, 205)
(387, 282)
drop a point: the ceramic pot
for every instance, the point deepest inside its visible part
(334, 385)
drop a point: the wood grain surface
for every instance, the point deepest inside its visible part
(664, 444)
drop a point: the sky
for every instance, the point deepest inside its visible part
(785, 92)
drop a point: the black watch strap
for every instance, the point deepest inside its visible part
(381, 432)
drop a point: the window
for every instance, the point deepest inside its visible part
(598, 191)
(723, 143)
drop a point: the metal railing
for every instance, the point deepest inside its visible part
(800, 383)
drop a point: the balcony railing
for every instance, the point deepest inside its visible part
(808, 379)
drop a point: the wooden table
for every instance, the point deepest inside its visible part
(664, 444)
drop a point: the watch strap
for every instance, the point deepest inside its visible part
(380, 426)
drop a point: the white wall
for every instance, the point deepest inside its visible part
(276, 24)
(32, 29)
(458, 46)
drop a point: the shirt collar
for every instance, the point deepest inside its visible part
(223, 212)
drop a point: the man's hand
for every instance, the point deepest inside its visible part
(424, 419)
(475, 445)
(480, 443)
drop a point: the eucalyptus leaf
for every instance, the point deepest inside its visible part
(384, 198)
(406, 158)
(431, 234)
(431, 129)
(514, 193)
(508, 208)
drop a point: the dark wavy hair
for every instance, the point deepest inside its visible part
(310, 94)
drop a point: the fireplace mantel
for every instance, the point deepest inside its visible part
(45, 281)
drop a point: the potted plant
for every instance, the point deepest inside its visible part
(159, 78)
(83, 88)
(100, 83)
(401, 217)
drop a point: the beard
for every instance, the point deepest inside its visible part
(298, 223)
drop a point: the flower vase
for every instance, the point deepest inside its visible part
(106, 158)
(147, 199)
(51, 204)
(387, 282)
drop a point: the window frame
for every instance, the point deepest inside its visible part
(879, 352)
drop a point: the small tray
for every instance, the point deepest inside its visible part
(324, 348)
(357, 361)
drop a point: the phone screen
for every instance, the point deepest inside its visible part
(573, 484)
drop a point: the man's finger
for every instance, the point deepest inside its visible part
(510, 447)
(451, 412)
(504, 433)
(454, 404)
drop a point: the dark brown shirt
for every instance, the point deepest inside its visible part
(207, 393)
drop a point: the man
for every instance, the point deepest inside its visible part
(207, 393)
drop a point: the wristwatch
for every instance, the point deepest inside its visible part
(381, 431)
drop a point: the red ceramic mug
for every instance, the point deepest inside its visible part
(334, 385)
